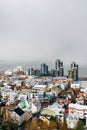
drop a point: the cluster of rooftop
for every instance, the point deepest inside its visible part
(24, 95)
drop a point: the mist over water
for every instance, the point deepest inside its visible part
(10, 65)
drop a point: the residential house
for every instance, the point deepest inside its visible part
(72, 120)
(36, 106)
(54, 110)
(17, 115)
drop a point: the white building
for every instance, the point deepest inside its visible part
(75, 86)
(83, 84)
(8, 72)
(40, 87)
(72, 120)
(55, 110)
(36, 106)
(80, 110)
(17, 115)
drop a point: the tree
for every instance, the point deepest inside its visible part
(79, 126)
(0, 95)
(73, 99)
(63, 125)
(52, 125)
(32, 124)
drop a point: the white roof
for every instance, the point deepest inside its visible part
(40, 86)
(84, 90)
(8, 72)
(77, 106)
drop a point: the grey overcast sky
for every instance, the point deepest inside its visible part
(43, 30)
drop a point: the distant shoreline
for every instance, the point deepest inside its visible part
(82, 78)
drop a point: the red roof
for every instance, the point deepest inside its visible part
(67, 110)
(6, 107)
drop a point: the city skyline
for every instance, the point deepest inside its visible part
(43, 30)
(36, 65)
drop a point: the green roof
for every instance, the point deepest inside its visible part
(48, 112)
(24, 104)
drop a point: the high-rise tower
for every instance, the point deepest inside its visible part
(44, 69)
(59, 67)
(73, 71)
